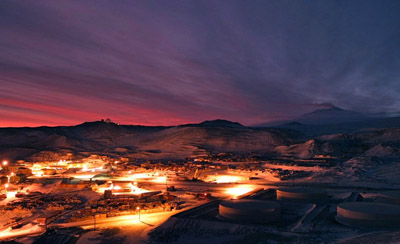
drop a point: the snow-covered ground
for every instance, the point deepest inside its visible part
(29, 229)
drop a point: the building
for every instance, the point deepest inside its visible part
(368, 214)
(304, 195)
(251, 211)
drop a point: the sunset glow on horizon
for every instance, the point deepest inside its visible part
(199, 121)
(159, 63)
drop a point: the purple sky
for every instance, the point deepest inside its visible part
(171, 62)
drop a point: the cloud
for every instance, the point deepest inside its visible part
(156, 62)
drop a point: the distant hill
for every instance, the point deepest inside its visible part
(217, 123)
(330, 115)
(343, 128)
(370, 137)
(148, 142)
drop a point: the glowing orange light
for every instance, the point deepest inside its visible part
(5, 163)
(160, 179)
(225, 178)
(239, 190)
(83, 176)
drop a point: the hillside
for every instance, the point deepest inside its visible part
(326, 116)
(178, 142)
(331, 115)
(139, 141)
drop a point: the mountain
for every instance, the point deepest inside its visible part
(217, 123)
(330, 115)
(148, 142)
(370, 124)
(370, 138)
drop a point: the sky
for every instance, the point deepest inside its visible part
(173, 62)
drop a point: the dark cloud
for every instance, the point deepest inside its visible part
(169, 62)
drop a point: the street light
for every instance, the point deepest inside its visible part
(138, 208)
(94, 221)
(5, 163)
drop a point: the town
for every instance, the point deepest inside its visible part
(97, 191)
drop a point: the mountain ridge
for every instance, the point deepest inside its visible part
(371, 137)
(101, 137)
(329, 115)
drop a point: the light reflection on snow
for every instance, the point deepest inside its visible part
(239, 190)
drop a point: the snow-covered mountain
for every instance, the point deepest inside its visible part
(141, 141)
(331, 115)
(179, 142)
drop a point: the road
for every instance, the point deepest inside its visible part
(129, 226)
(26, 230)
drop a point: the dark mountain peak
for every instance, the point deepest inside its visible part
(333, 109)
(329, 106)
(319, 116)
(294, 123)
(220, 123)
(217, 123)
(330, 115)
(329, 109)
(97, 124)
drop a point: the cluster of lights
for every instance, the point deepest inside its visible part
(156, 178)
(87, 176)
(226, 179)
(12, 174)
(62, 162)
(86, 168)
(134, 189)
(37, 168)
